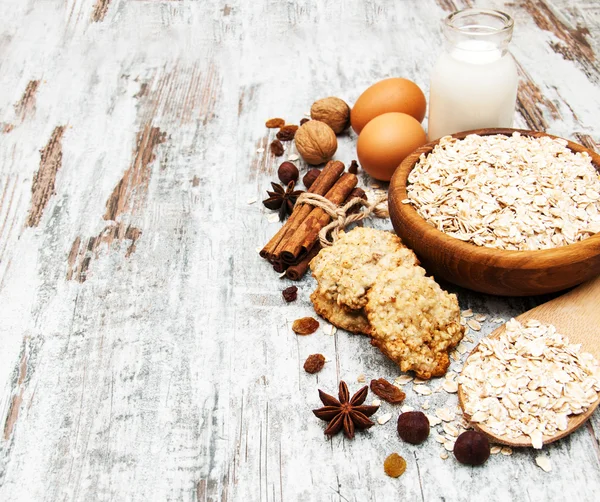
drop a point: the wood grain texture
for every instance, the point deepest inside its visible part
(171, 372)
(488, 270)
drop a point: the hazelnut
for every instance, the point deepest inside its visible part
(413, 427)
(316, 142)
(472, 448)
(287, 172)
(310, 177)
(333, 111)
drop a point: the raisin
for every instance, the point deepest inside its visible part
(387, 391)
(290, 294)
(394, 466)
(305, 326)
(287, 132)
(277, 148)
(304, 121)
(353, 167)
(275, 123)
(314, 363)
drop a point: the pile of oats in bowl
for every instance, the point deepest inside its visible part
(507, 192)
(528, 381)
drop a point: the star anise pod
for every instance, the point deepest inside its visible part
(347, 414)
(282, 199)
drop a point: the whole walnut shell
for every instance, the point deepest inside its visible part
(333, 111)
(315, 142)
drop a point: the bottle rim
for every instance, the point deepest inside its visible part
(506, 27)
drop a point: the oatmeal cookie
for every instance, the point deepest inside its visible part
(414, 322)
(346, 270)
(354, 321)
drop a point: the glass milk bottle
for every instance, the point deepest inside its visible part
(474, 82)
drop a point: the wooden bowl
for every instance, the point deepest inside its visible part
(488, 270)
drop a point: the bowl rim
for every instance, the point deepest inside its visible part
(545, 258)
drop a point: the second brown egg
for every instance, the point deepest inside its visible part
(385, 142)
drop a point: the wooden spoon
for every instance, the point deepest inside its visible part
(576, 315)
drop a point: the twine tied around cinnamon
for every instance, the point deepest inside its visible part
(340, 218)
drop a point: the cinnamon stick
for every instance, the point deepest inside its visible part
(324, 182)
(296, 247)
(296, 271)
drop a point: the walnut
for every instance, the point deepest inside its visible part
(316, 142)
(333, 111)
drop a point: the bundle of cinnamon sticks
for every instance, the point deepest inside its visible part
(296, 242)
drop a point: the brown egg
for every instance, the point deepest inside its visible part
(389, 95)
(385, 142)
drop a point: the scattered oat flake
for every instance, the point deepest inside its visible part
(403, 379)
(282, 274)
(361, 378)
(480, 317)
(273, 218)
(505, 450)
(445, 414)
(450, 429)
(444, 455)
(461, 348)
(494, 450)
(328, 328)
(422, 389)
(474, 325)
(425, 405)
(405, 201)
(543, 462)
(293, 157)
(433, 421)
(419, 381)
(251, 201)
(449, 445)
(376, 402)
(406, 408)
(258, 249)
(450, 386)
(467, 313)
(384, 418)
(260, 150)
(440, 439)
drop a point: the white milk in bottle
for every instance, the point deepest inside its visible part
(474, 82)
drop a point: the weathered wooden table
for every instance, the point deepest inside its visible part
(145, 349)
